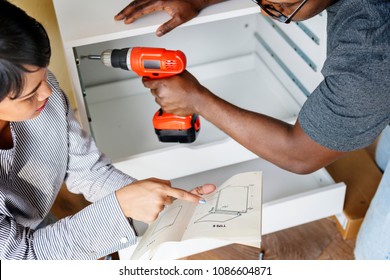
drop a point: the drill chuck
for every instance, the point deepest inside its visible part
(117, 58)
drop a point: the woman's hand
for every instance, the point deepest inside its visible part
(144, 200)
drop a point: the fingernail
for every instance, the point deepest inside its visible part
(202, 201)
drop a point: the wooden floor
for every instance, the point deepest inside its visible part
(318, 240)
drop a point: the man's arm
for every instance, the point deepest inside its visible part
(285, 145)
(181, 11)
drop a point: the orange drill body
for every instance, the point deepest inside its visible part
(157, 63)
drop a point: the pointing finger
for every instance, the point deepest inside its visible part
(184, 195)
(204, 189)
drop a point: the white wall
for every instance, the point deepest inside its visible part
(43, 11)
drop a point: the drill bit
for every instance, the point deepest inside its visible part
(91, 56)
(104, 57)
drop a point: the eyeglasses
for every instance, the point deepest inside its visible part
(275, 14)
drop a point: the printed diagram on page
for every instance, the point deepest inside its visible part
(230, 202)
(168, 219)
(235, 206)
(231, 213)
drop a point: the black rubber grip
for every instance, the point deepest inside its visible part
(119, 58)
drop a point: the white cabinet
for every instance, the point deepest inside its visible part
(245, 58)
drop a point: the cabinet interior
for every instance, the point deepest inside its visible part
(240, 59)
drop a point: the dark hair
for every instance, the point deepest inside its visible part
(23, 41)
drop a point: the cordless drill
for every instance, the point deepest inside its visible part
(156, 63)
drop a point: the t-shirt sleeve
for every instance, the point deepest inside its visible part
(351, 106)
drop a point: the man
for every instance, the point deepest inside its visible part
(347, 111)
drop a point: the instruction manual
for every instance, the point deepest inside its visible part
(231, 214)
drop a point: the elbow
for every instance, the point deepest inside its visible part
(308, 164)
(303, 169)
(300, 166)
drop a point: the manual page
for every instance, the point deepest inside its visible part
(231, 214)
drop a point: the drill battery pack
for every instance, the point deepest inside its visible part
(173, 128)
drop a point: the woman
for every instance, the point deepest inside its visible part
(42, 145)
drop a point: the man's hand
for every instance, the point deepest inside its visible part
(181, 11)
(144, 200)
(179, 95)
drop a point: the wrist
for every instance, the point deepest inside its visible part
(121, 197)
(202, 101)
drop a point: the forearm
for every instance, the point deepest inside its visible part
(276, 141)
(250, 129)
(96, 231)
(283, 144)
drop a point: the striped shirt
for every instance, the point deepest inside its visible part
(49, 150)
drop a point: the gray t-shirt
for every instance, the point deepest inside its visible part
(351, 106)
